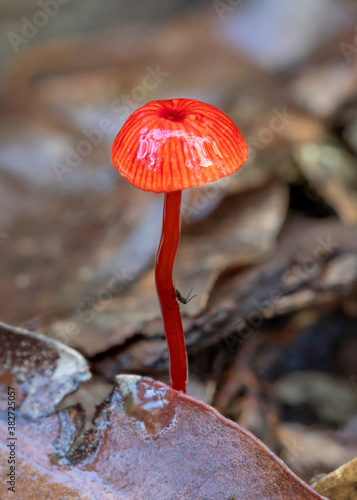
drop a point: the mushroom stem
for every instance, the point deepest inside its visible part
(170, 308)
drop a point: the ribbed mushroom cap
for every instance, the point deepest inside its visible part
(175, 144)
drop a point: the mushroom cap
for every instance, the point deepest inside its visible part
(175, 144)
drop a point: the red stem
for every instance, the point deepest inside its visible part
(170, 308)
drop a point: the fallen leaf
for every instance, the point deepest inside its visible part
(148, 441)
(41, 370)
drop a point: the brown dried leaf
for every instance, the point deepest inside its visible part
(41, 370)
(149, 441)
(339, 484)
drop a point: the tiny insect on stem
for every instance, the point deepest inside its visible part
(182, 299)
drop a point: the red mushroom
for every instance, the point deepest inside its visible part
(164, 147)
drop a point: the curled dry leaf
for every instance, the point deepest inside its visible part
(148, 441)
(41, 370)
(339, 484)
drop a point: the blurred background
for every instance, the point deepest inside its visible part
(270, 252)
